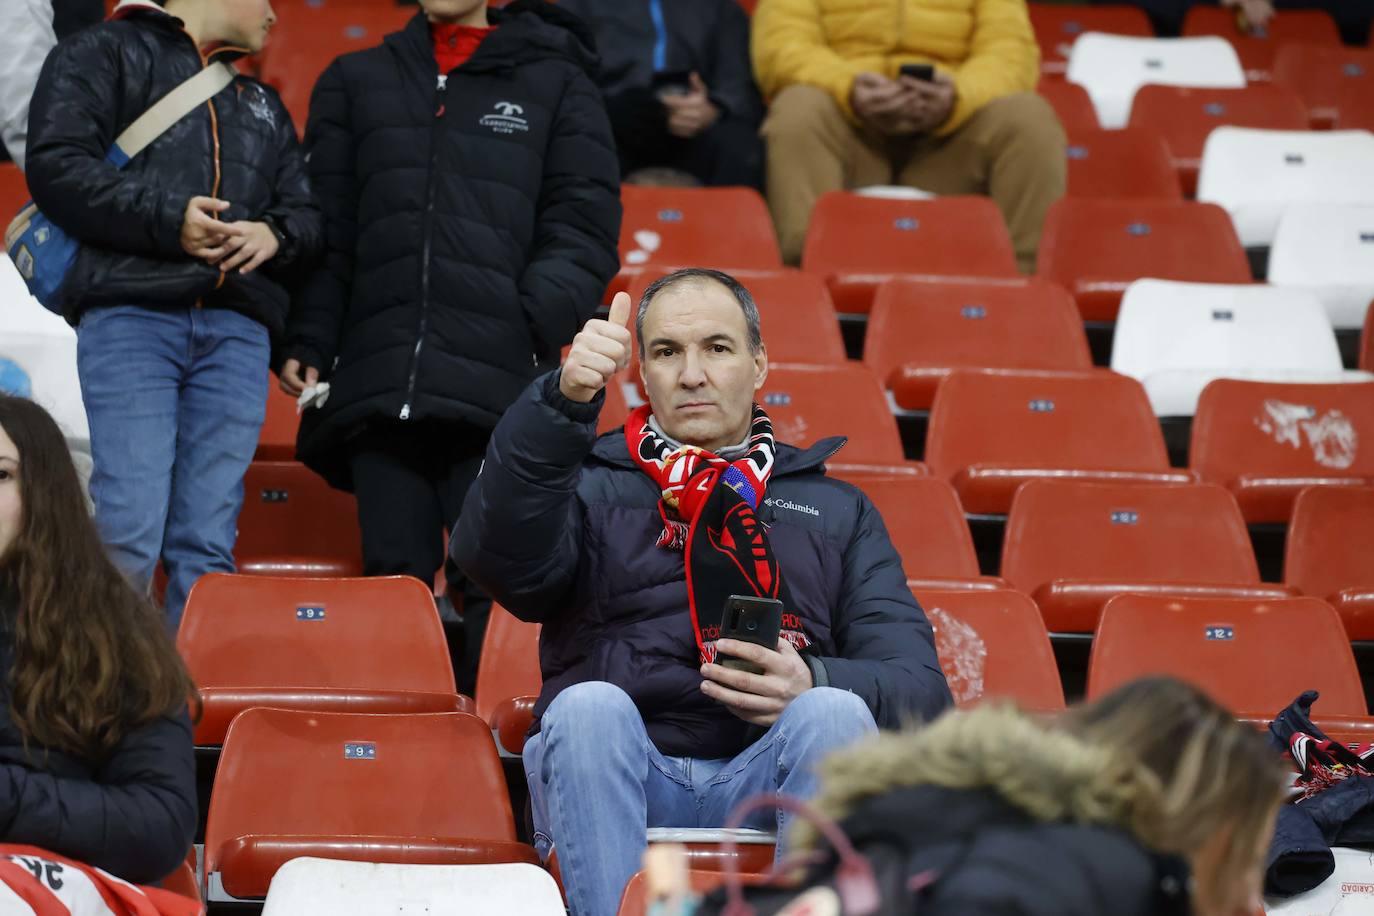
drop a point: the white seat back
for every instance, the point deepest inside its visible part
(1176, 337)
(1328, 249)
(1113, 67)
(1256, 175)
(325, 887)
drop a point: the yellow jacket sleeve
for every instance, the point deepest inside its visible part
(788, 46)
(1003, 59)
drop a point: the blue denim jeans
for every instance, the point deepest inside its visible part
(597, 781)
(175, 401)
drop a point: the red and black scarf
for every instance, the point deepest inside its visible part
(725, 545)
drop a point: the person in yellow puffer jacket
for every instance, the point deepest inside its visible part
(843, 115)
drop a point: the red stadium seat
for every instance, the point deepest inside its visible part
(1330, 546)
(923, 328)
(309, 34)
(990, 431)
(508, 677)
(341, 645)
(1096, 248)
(993, 644)
(1367, 341)
(927, 526)
(1127, 162)
(1254, 657)
(1325, 78)
(277, 441)
(1057, 26)
(1071, 103)
(856, 242)
(1184, 117)
(1355, 106)
(1266, 441)
(293, 523)
(356, 787)
(795, 314)
(809, 403)
(1072, 546)
(724, 228)
(1257, 53)
(14, 192)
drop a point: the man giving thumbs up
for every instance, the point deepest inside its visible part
(630, 546)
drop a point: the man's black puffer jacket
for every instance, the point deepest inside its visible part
(470, 229)
(239, 147)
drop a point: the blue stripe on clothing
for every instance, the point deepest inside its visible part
(660, 36)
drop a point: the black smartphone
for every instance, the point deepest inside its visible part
(755, 620)
(918, 71)
(671, 82)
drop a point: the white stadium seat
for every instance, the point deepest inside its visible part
(1113, 67)
(1258, 174)
(1328, 249)
(1176, 337)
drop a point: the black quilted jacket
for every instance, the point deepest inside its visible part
(471, 224)
(240, 147)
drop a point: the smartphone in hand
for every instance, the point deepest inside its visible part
(925, 72)
(749, 619)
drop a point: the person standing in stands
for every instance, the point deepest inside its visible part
(471, 195)
(180, 287)
(677, 82)
(932, 94)
(96, 755)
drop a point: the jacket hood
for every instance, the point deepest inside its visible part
(529, 31)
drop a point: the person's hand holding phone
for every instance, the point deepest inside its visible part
(881, 104)
(690, 112)
(757, 698)
(929, 103)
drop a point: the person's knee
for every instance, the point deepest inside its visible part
(830, 715)
(800, 112)
(592, 709)
(1027, 120)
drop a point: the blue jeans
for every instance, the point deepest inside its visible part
(175, 401)
(597, 781)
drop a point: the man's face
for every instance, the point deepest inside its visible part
(247, 22)
(697, 367)
(464, 12)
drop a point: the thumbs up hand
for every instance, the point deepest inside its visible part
(599, 351)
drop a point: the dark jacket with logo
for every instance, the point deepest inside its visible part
(239, 147)
(471, 229)
(132, 814)
(560, 528)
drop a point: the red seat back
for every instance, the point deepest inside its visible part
(993, 644)
(1331, 541)
(1185, 116)
(808, 403)
(292, 522)
(1128, 162)
(922, 328)
(1251, 656)
(1071, 103)
(1096, 248)
(1326, 78)
(1257, 52)
(1267, 440)
(327, 643)
(14, 191)
(352, 786)
(855, 242)
(926, 525)
(509, 665)
(1057, 26)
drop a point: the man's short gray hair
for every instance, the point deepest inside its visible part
(742, 296)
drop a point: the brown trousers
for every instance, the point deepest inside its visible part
(1012, 149)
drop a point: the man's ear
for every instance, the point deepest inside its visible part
(760, 367)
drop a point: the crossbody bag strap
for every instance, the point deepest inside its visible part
(171, 108)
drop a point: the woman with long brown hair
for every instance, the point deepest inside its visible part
(96, 759)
